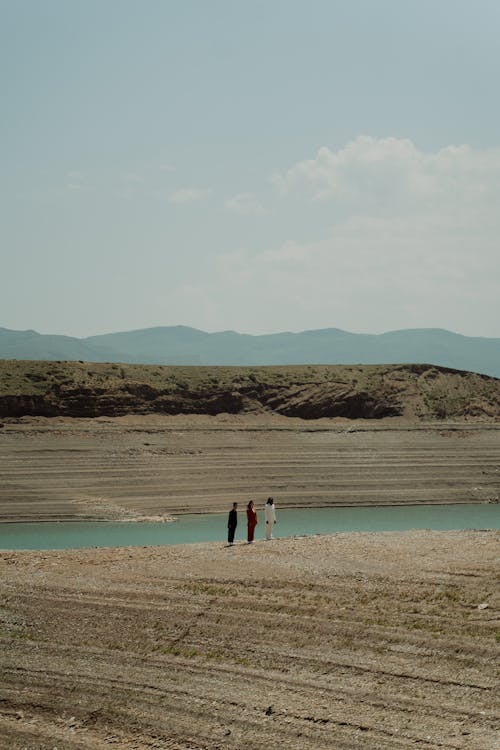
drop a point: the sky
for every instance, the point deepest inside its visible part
(250, 165)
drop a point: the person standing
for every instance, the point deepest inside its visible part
(270, 511)
(232, 523)
(251, 521)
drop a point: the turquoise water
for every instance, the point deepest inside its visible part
(212, 527)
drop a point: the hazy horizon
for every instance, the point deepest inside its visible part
(259, 167)
(245, 333)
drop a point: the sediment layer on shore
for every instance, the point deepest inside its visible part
(132, 468)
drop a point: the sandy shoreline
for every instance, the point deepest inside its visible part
(375, 640)
(158, 467)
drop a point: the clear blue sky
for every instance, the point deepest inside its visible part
(256, 166)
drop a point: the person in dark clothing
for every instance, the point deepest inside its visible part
(232, 523)
(251, 521)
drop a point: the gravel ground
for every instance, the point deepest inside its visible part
(345, 641)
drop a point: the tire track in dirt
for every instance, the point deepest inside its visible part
(310, 643)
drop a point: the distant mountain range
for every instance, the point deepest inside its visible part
(181, 345)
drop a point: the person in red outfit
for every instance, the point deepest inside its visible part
(251, 521)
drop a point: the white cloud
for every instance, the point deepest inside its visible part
(367, 275)
(390, 176)
(409, 239)
(245, 204)
(403, 239)
(188, 195)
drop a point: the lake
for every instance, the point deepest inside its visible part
(212, 527)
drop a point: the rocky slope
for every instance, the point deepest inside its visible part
(79, 389)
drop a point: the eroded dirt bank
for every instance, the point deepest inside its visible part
(154, 466)
(83, 389)
(363, 640)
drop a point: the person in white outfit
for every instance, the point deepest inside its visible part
(270, 511)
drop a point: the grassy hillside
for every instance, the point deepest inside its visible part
(363, 391)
